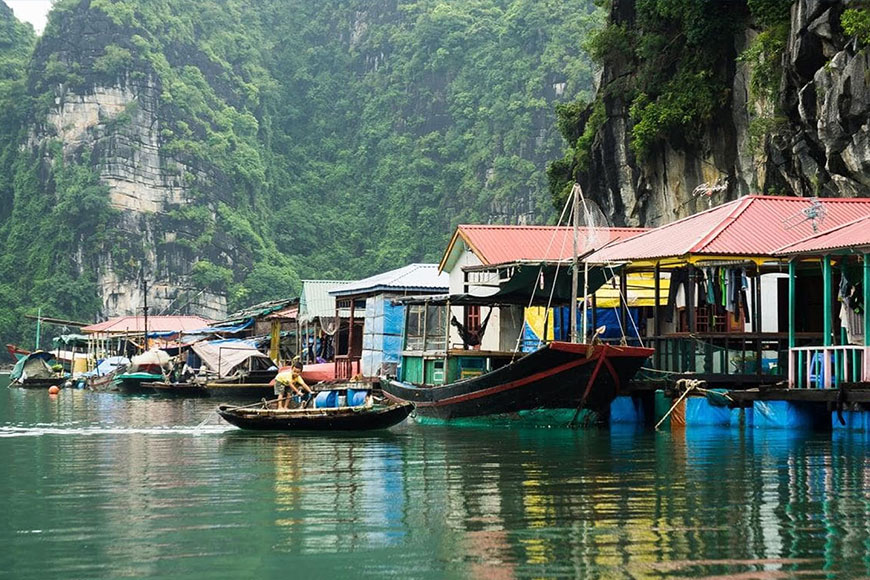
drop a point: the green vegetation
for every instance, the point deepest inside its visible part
(673, 72)
(673, 66)
(328, 138)
(856, 22)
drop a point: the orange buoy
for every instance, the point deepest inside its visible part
(53, 390)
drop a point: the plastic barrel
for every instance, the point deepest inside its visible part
(356, 397)
(326, 399)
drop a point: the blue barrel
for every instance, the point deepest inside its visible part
(326, 399)
(356, 397)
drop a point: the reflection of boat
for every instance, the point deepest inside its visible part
(177, 389)
(558, 375)
(354, 418)
(34, 372)
(148, 367)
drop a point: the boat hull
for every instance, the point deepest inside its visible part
(136, 383)
(557, 375)
(38, 383)
(339, 419)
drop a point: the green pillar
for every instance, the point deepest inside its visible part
(827, 293)
(866, 299)
(792, 292)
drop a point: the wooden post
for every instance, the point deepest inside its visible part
(690, 298)
(792, 295)
(866, 318)
(657, 315)
(827, 293)
(623, 301)
(756, 307)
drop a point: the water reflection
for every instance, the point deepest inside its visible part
(103, 486)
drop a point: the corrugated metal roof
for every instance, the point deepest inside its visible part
(410, 278)
(499, 244)
(136, 324)
(257, 310)
(755, 225)
(315, 300)
(853, 236)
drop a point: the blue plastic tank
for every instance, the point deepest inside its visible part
(356, 397)
(326, 400)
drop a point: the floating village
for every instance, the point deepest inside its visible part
(749, 314)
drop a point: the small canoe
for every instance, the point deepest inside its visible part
(361, 418)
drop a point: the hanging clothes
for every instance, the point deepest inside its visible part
(853, 322)
(676, 291)
(744, 286)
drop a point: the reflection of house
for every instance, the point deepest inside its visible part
(370, 344)
(725, 317)
(317, 321)
(474, 246)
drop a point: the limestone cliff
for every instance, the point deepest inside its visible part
(810, 136)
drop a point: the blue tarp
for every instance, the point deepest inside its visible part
(699, 412)
(625, 409)
(785, 415)
(215, 329)
(607, 317)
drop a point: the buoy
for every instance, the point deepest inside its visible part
(53, 390)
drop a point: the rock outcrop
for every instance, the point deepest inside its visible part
(819, 144)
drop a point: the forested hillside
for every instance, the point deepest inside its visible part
(223, 150)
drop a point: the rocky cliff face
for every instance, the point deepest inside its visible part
(814, 141)
(118, 128)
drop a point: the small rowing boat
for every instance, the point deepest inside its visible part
(364, 417)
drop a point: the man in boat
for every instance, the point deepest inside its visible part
(290, 381)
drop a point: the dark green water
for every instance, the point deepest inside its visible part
(102, 486)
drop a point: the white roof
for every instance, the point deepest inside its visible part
(423, 278)
(315, 300)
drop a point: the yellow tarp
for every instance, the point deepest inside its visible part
(641, 291)
(535, 318)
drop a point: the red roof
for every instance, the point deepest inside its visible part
(853, 235)
(136, 324)
(755, 225)
(495, 244)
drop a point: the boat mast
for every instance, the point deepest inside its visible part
(145, 309)
(575, 191)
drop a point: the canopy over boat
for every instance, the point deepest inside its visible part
(525, 283)
(225, 357)
(33, 366)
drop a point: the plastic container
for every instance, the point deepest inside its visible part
(326, 400)
(356, 397)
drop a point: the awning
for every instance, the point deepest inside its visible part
(224, 357)
(221, 329)
(527, 283)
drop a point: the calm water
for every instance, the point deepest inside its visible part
(103, 486)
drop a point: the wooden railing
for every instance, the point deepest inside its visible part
(826, 367)
(346, 366)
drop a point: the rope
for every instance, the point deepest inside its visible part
(692, 384)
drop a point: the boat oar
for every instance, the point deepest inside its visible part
(674, 406)
(264, 403)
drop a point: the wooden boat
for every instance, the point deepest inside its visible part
(17, 353)
(34, 372)
(355, 418)
(557, 375)
(148, 367)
